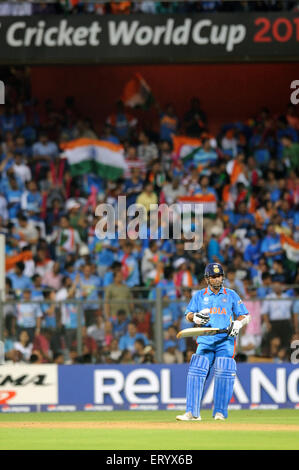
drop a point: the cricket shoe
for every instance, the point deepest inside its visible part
(219, 416)
(187, 417)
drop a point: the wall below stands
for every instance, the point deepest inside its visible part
(228, 92)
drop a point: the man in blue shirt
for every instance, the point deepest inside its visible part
(271, 247)
(127, 341)
(242, 219)
(89, 290)
(20, 282)
(226, 310)
(252, 252)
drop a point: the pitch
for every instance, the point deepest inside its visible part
(123, 430)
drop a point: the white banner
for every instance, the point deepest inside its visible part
(28, 384)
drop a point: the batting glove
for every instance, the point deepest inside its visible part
(202, 318)
(235, 328)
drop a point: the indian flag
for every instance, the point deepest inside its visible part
(184, 146)
(99, 157)
(290, 247)
(137, 93)
(235, 170)
(208, 202)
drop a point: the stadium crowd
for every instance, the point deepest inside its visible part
(34, 7)
(57, 267)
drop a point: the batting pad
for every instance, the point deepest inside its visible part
(197, 373)
(225, 374)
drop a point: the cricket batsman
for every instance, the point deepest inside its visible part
(217, 307)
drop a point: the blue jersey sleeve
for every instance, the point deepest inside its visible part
(194, 304)
(238, 306)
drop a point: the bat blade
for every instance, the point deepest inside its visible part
(202, 331)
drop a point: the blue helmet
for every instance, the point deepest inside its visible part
(214, 268)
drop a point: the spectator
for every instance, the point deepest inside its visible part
(90, 347)
(53, 278)
(42, 346)
(195, 119)
(97, 330)
(130, 268)
(117, 294)
(147, 197)
(68, 239)
(43, 151)
(27, 230)
(290, 152)
(120, 323)
(173, 190)
(252, 252)
(147, 151)
(29, 315)
(233, 283)
(24, 346)
(142, 320)
(113, 352)
(171, 354)
(18, 279)
(249, 343)
(127, 341)
(89, 286)
(133, 186)
(277, 316)
(138, 354)
(271, 247)
(69, 310)
(169, 123)
(122, 122)
(149, 261)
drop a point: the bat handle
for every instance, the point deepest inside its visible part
(225, 330)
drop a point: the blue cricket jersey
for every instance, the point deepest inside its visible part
(225, 307)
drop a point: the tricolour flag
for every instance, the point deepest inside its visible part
(208, 202)
(184, 146)
(137, 93)
(94, 156)
(290, 247)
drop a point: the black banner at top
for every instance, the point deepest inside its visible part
(144, 39)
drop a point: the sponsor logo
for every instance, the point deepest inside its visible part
(161, 387)
(206, 299)
(234, 407)
(15, 409)
(134, 406)
(23, 379)
(90, 407)
(175, 407)
(61, 408)
(28, 385)
(6, 395)
(254, 406)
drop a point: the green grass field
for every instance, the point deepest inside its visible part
(123, 430)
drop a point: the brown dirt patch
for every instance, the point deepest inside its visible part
(200, 426)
